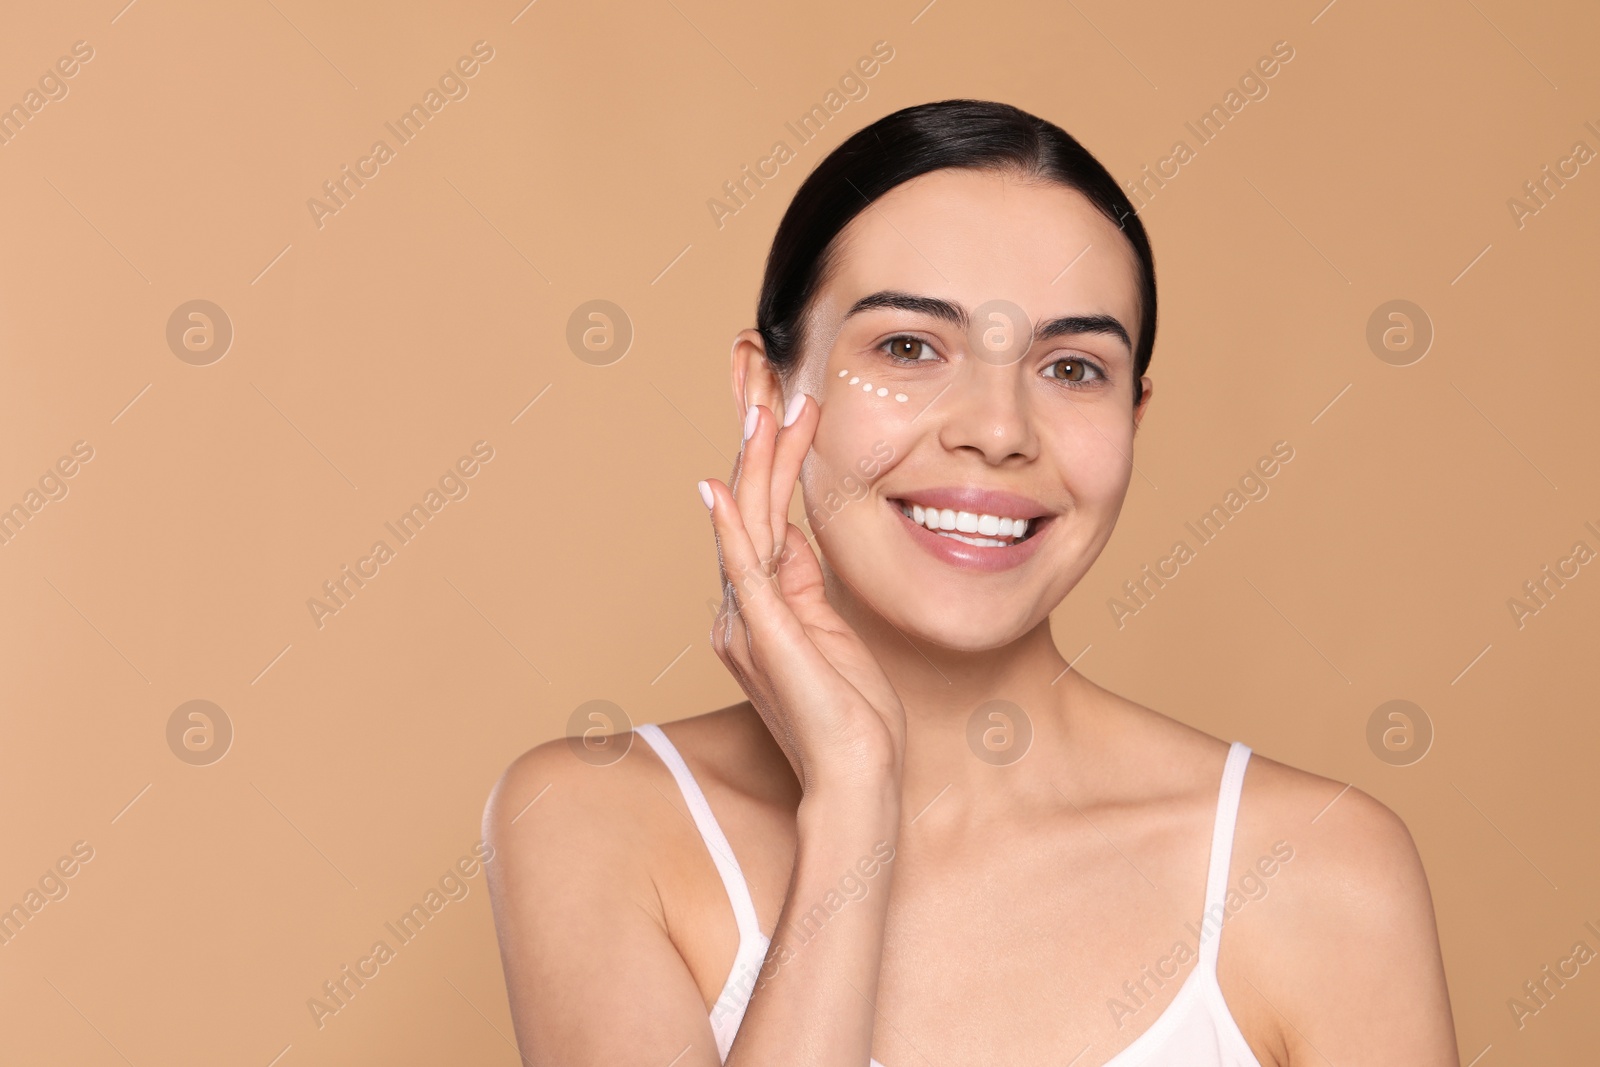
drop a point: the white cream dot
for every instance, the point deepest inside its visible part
(883, 392)
(866, 387)
(843, 373)
(901, 397)
(854, 380)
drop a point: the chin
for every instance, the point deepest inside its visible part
(957, 589)
(929, 615)
(959, 631)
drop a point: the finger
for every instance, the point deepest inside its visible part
(801, 584)
(734, 635)
(753, 590)
(753, 489)
(776, 644)
(729, 636)
(794, 441)
(720, 623)
(731, 642)
(760, 641)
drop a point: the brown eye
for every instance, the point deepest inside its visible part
(1072, 370)
(908, 349)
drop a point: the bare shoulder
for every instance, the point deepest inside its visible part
(1350, 875)
(1328, 917)
(1330, 923)
(565, 798)
(1354, 855)
(617, 805)
(596, 867)
(1346, 832)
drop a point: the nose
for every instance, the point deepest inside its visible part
(986, 412)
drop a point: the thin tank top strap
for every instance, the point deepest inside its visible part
(1222, 853)
(744, 909)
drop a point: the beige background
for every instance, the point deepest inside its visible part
(431, 310)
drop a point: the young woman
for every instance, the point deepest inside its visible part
(939, 843)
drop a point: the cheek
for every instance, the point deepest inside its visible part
(1093, 449)
(871, 401)
(841, 454)
(865, 417)
(881, 389)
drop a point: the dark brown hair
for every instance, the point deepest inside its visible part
(974, 134)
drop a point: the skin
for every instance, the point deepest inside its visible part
(1034, 890)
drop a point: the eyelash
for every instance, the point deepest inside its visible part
(1099, 372)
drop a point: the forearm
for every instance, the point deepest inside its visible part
(814, 1001)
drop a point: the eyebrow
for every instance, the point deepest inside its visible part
(955, 314)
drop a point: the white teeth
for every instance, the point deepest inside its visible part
(994, 531)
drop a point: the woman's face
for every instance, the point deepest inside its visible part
(934, 400)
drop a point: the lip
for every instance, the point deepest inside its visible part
(976, 557)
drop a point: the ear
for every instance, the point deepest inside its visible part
(1147, 387)
(755, 381)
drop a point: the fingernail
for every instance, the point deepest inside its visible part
(705, 492)
(794, 411)
(751, 417)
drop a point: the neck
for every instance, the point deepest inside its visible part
(944, 689)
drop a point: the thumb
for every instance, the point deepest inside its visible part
(800, 576)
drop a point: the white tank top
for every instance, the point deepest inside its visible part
(1195, 1030)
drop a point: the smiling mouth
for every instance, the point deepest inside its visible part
(981, 530)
